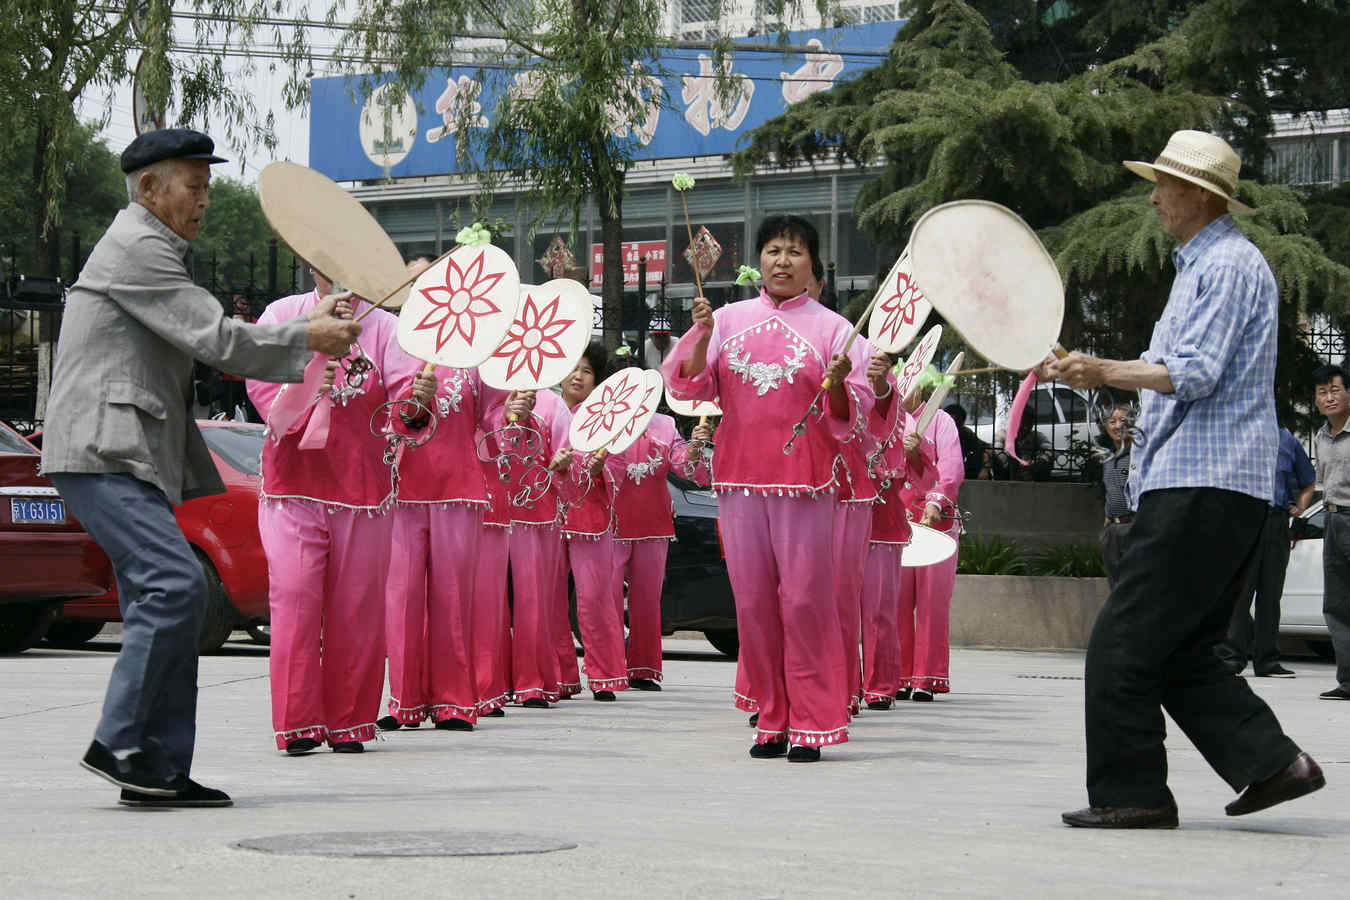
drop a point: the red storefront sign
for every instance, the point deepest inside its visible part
(633, 251)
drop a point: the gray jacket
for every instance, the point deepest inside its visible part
(121, 395)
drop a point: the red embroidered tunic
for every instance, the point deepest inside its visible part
(642, 509)
(347, 470)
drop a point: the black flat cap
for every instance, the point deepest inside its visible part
(168, 143)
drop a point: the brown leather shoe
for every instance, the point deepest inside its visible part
(1302, 776)
(1122, 817)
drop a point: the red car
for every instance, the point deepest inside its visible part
(223, 530)
(45, 556)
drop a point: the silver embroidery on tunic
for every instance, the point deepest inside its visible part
(640, 470)
(453, 396)
(768, 376)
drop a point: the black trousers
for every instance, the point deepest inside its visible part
(1152, 649)
(1259, 641)
(1111, 543)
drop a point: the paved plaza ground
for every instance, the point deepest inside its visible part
(960, 797)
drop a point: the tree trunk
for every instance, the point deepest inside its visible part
(611, 234)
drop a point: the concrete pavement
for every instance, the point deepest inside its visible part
(960, 797)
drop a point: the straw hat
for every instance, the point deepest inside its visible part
(1200, 158)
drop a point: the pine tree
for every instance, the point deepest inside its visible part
(966, 109)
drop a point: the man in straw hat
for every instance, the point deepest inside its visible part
(122, 448)
(1205, 384)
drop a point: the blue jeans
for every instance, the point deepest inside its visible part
(151, 704)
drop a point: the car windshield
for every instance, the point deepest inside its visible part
(239, 445)
(10, 442)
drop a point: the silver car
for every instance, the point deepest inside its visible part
(1301, 603)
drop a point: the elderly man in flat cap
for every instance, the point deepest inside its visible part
(121, 447)
(1201, 480)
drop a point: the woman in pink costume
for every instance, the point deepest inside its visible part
(644, 527)
(852, 530)
(764, 359)
(438, 519)
(325, 492)
(589, 481)
(852, 527)
(535, 548)
(890, 532)
(490, 639)
(926, 591)
(577, 386)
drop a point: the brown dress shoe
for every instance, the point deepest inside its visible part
(1302, 776)
(1122, 817)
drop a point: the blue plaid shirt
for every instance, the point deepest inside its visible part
(1217, 339)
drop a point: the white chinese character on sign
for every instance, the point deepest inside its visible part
(646, 89)
(816, 74)
(457, 102)
(704, 109)
(527, 85)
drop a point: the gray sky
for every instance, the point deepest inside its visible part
(292, 126)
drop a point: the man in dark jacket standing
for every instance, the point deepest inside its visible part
(121, 447)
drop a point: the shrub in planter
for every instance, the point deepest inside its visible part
(990, 555)
(1074, 560)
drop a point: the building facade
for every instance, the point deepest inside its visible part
(398, 158)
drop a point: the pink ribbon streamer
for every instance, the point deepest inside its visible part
(1019, 406)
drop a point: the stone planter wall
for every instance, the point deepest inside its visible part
(1034, 514)
(1025, 612)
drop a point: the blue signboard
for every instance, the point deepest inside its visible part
(352, 140)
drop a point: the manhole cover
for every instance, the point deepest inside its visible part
(406, 843)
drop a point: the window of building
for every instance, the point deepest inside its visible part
(1305, 161)
(858, 257)
(862, 12)
(697, 19)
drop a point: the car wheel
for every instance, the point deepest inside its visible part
(22, 626)
(71, 634)
(260, 633)
(724, 640)
(218, 617)
(1322, 650)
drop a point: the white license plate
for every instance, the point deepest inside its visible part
(37, 512)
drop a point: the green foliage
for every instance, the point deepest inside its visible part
(995, 555)
(236, 239)
(96, 190)
(1033, 104)
(1329, 222)
(990, 555)
(52, 53)
(1073, 560)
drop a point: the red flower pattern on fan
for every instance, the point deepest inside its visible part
(917, 362)
(533, 337)
(613, 402)
(647, 399)
(899, 307)
(458, 304)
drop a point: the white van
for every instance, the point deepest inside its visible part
(1062, 416)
